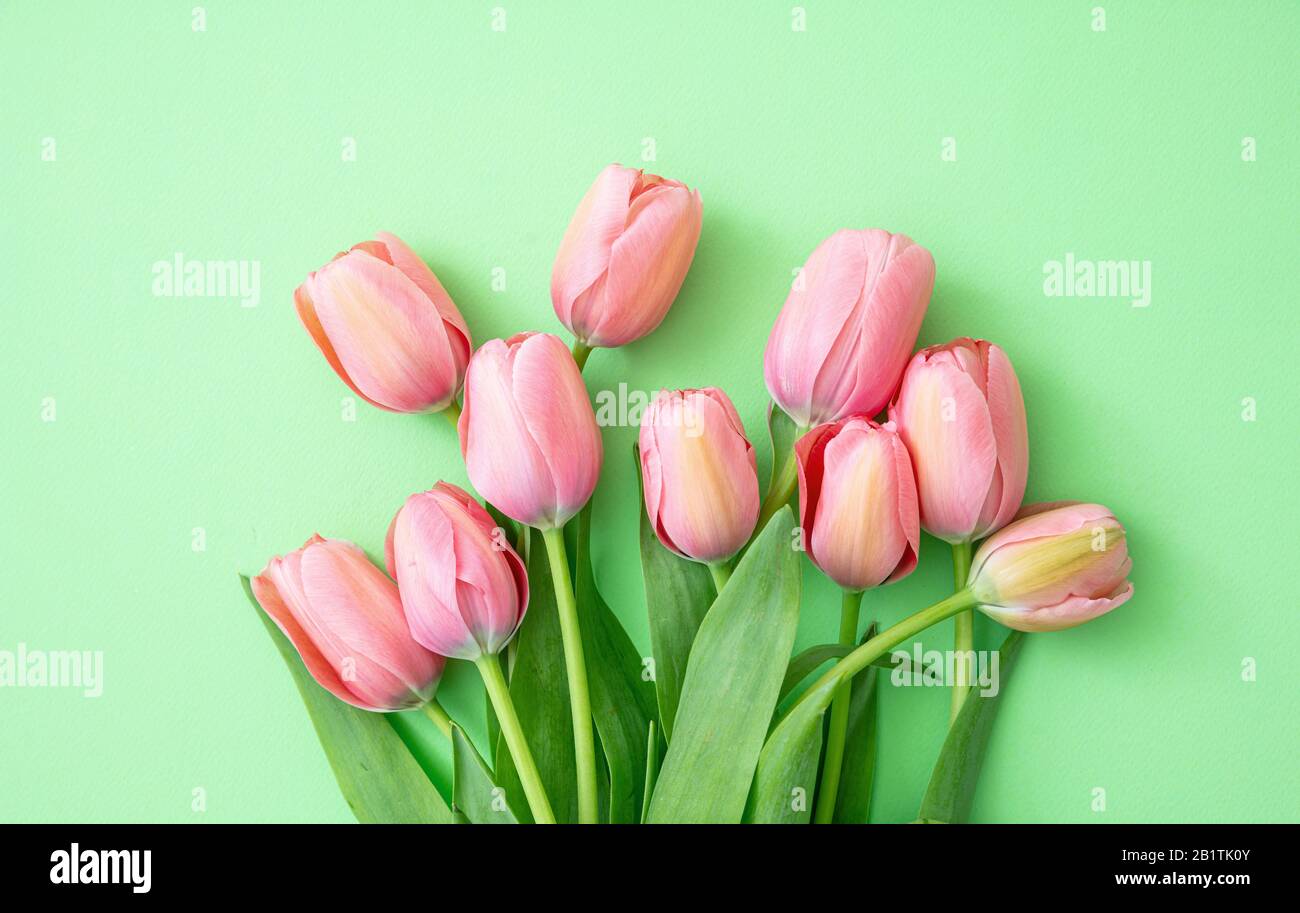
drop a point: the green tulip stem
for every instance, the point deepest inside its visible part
(823, 689)
(584, 744)
(580, 353)
(434, 711)
(964, 642)
(499, 693)
(721, 572)
(839, 725)
(451, 412)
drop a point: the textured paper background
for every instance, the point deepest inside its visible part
(475, 145)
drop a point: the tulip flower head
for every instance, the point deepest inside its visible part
(1059, 565)
(848, 326)
(857, 502)
(527, 432)
(961, 414)
(464, 589)
(624, 256)
(699, 474)
(386, 326)
(345, 619)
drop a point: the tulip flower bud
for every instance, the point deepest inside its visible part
(463, 588)
(386, 326)
(961, 414)
(624, 256)
(527, 432)
(699, 474)
(843, 337)
(857, 502)
(345, 619)
(1059, 565)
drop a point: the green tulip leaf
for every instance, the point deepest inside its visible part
(678, 594)
(733, 678)
(475, 797)
(379, 778)
(807, 662)
(957, 770)
(858, 769)
(651, 768)
(782, 433)
(622, 703)
(539, 690)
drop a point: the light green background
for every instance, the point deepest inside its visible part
(475, 145)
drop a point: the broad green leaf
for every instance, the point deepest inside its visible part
(678, 594)
(622, 704)
(540, 692)
(474, 795)
(651, 768)
(957, 770)
(379, 778)
(732, 681)
(858, 769)
(785, 780)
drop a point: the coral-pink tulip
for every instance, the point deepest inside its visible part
(843, 337)
(528, 433)
(961, 414)
(463, 588)
(344, 618)
(624, 256)
(857, 502)
(386, 326)
(1057, 566)
(699, 474)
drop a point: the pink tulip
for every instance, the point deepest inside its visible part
(840, 343)
(961, 414)
(386, 326)
(857, 502)
(344, 618)
(699, 474)
(624, 256)
(528, 433)
(463, 588)
(1059, 565)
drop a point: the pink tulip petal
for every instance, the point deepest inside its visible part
(391, 343)
(274, 606)
(895, 305)
(857, 539)
(307, 314)
(504, 462)
(426, 577)
(647, 265)
(1010, 430)
(1072, 611)
(584, 252)
(360, 606)
(703, 472)
(418, 272)
(945, 423)
(816, 318)
(552, 400)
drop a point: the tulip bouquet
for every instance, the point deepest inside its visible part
(871, 443)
